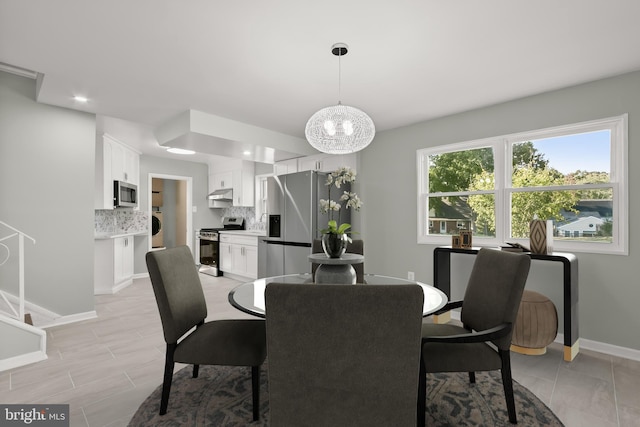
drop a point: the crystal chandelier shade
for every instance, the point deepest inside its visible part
(340, 129)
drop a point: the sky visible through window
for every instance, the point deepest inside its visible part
(585, 151)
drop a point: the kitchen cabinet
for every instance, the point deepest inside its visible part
(115, 161)
(327, 162)
(239, 255)
(125, 164)
(285, 166)
(221, 180)
(113, 264)
(236, 174)
(122, 259)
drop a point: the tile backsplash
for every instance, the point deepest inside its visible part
(117, 221)
(249, 215)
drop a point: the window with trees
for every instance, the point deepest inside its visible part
(575, 175)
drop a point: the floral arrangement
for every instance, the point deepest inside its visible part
(348, 199)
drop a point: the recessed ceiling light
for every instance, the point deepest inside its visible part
(180, 151)
(246, 152)
(81, 98)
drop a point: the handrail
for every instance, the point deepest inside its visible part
(21, 236)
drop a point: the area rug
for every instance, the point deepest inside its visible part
(221, 396)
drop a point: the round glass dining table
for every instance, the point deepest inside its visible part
(249, 297)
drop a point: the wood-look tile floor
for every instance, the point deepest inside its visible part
(105, 367)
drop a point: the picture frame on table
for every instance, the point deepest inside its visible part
(465, 239)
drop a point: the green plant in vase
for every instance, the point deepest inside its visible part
(336, 236)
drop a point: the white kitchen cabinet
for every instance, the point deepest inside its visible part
(123, 259)
(327, 162)
(239, 255)
(113, 264)
(226, 259)
(125, 162)
(114, 162)
(285, 166)
(221, 180)
(236, 174)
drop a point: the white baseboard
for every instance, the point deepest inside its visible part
(72, 318)
(31, 307)
(23, 359)
(56, 319)
(600, 347)
(141, 275)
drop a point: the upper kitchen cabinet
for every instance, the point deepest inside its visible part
(125, 165)
(236, 174)
(285, 166)
(326, 162)
(115, 161)
(220, 181)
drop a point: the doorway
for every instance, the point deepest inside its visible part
(169, 197)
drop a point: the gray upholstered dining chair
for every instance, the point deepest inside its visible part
(343, 355)
(355, 247)
(182, 306)
(489, 310)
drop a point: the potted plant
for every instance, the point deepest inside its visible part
(336, 236)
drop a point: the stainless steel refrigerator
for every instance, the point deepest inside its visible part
(294, 220)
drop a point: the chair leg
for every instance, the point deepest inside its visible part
(472, 377)
(255, 388)
(196, 370)
(421, 406)
(507, 384)
(168, 376)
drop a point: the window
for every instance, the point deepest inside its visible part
(575, 175)
(261, 198)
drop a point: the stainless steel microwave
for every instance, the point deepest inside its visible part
(125, 195)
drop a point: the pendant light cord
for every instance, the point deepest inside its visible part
(340, 77)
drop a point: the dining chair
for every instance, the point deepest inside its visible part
(488, 313)
(355, 247)
(182, 306)
(343, 355)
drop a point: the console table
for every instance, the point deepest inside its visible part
(442, 281)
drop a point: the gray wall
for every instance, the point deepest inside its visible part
(199, 172)
(47, 157)
(609, 290)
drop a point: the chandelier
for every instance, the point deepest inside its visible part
(340, 129)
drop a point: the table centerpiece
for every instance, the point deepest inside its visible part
(336, 236)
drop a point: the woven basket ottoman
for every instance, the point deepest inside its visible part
(536, 324)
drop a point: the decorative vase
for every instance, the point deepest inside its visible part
(541, 236)
(334, 245)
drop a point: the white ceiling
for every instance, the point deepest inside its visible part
(268, 63)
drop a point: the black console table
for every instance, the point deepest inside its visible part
(442, 281)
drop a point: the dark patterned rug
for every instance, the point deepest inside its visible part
(221, 396)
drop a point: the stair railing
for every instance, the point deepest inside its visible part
(21, 236)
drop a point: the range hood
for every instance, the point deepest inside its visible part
(223, 195)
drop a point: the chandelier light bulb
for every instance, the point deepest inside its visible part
(330, 127)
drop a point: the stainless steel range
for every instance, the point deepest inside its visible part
(209, 245)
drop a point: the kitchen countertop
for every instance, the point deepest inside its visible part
(104, 236)
(256, 233)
